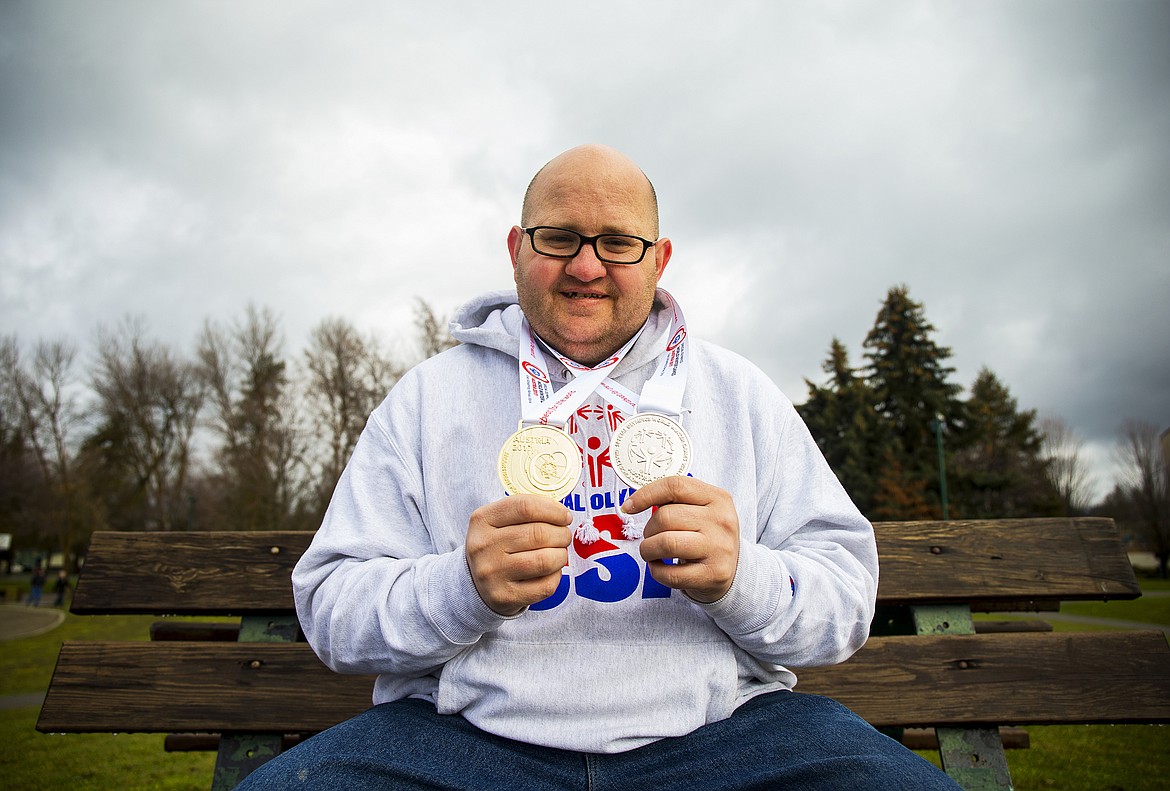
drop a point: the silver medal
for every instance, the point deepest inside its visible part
(647, 447)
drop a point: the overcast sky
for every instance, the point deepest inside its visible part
(1008, 161)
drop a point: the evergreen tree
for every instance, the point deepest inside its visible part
(908, 379)
(998, 471)
(841, 417)
(899, 495)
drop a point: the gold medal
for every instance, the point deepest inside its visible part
(647, 447)
(540, 459)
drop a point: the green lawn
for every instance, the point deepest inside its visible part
(80, 762)
(32, 761)
(1068, 758)
(1098, 757)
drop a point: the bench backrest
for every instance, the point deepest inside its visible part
(989, 564)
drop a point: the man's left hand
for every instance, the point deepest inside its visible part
(696, 524)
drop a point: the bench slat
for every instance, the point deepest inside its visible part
(988, 561)
(208, 687)
(212, 573)
(1024, 563)
(1008, 678)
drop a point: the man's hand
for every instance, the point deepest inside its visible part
(516, 548)
(696, 523)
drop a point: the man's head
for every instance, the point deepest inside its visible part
(586, 308)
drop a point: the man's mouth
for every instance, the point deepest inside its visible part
(582, 295)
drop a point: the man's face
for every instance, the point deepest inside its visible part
(584, 308)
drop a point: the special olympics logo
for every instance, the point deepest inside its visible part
(535, 372)
(548, 468)
(678, 338)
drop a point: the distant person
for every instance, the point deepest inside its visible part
(61, 588)
(36, 586)
(614, 598)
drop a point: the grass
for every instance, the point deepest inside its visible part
(94, 762)
(83, 762)
(1147, 609)
(1093, 758)
(28, 663)
(1066, 758)
(1096, 757)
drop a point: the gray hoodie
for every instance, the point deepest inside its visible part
(613, 660)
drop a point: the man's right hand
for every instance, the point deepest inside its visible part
(516, 548)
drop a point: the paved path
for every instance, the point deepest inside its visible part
(20, 620)
(27, 701)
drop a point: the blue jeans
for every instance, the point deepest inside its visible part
(780, 740)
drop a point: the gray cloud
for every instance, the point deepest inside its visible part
(1005, 160)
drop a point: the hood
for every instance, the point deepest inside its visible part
(493, 320)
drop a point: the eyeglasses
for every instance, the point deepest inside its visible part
(612, 248)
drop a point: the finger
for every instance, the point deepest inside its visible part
(535, 564)
(673, 489)
(676, 516)
(521, 508)
(509, 596)
(531, 536)
(686, 546)
(531, 591)
(698, 579)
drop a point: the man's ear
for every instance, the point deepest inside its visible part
(662, 252)
(515, 239)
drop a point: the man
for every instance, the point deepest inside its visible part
(529, 634)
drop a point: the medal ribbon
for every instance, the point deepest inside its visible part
(663, 391)
(538, 403)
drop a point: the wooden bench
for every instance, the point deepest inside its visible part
(927, 665)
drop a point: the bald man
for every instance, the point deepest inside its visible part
(584, 549)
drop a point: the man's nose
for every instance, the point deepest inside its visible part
(585, 265)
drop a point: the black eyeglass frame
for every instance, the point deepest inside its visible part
(583, 240)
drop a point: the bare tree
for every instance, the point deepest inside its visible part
(43, 399)
(1147, 484)
(347, 377)
(148, 403)
(433, 336)
(20, 477)
(260, 463)
(11, 414)
(1060, 450)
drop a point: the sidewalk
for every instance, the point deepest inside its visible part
(19, 620)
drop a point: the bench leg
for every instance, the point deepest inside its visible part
(241, 754)
(974, 758)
